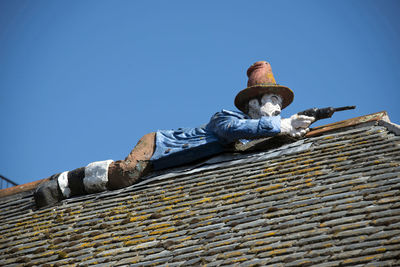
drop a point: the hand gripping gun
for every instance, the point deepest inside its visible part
(323, 113)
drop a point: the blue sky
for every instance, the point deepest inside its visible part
(82, 81)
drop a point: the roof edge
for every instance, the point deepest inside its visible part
(378, 116)
(20, 188)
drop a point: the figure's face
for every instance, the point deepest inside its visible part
(267, 105)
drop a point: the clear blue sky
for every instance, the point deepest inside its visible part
(82, 81)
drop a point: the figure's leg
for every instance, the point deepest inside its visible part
(48, 193)
(126, 172)
(60, 186)
(98, 176)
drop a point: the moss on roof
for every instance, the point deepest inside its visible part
(323, 201)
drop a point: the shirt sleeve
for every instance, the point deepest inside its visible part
(230, 128)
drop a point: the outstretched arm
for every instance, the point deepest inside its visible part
(230, 128)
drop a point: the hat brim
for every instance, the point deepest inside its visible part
(255, 91)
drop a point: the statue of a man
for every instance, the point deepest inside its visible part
(260, 105)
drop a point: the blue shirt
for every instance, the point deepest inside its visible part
(178, 147)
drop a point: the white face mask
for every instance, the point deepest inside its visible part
(270, 106)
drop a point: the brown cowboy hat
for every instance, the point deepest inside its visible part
(261, 81)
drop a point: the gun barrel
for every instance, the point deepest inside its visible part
(345, 108)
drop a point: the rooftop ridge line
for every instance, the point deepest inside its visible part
(382, 115)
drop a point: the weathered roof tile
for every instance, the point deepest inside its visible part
(330, 200)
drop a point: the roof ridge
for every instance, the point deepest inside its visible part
(382, 115)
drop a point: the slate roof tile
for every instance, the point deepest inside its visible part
(331, 200)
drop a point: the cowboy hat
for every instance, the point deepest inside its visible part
(261, 81)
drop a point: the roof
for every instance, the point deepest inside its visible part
(331, 199)
(5, 182)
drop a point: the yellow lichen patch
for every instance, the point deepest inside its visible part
(239, 260)
(233, 200)
(230, 195)
(173, 197)
(308, 161)
(107, 254)
(200, 183)
(369, 258)
(207, 217)
(270, 169)
(46, 254)
(163, 231)
(165, 208)
(221, 244)
(28, 222)
(184, 215)
(317, 173)
(301, 171)
(157, 226)
(206, 199)
(86, 245)
(174, 202)
(75, 212)
(181, 245)
(137, 241)
(37, 233)
(269, 234)
(269, 188)
(362, 142)
(234, 254)
(30, 246)
(184, 239)
(268, 173)
(138, 236)
(101, 236)
(277, 251)
(380, 249)
(327, 137)
(139, 218)
(294, 160)
(341, 158)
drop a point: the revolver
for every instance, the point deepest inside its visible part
(323, 113)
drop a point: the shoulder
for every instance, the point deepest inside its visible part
(230, 113)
